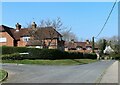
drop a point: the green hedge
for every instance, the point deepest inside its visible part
(35, 53)
(14, 56)
(89, 55)
(115, 56)
(11, 50)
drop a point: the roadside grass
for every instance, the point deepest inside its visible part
(3, 74)
(52, 62)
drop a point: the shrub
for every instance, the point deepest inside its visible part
(35, 53)
(89, 56)
(11, 50)
(14, 56)
(75, 55)
(115, 56)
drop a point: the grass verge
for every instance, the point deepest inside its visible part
(52, 62)
(3, 75)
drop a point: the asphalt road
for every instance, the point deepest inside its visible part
(87, 73)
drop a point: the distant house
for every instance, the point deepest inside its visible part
(108, 50)
(85, 47)
(20, 37)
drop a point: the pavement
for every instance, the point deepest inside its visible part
(87, 73)
(111, 74)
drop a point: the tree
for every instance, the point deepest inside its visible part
(112, 41)
(101, 44)
(56, 24)
(39, 35)
(68, 35)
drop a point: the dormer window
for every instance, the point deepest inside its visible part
(26, 39)
(79, 48)
(88, 48)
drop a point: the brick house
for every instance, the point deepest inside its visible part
(85, 47)
(20, 37)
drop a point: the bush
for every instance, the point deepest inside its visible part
(14, 56)
(35, 53)
(75, 55)
(11, 50)
(89, 56)
(115, 56)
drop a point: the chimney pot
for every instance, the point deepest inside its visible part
(18, 27)
(34, 25)
(87, 41)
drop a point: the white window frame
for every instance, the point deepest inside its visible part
(26, 39)
(88, 48)
(3, 39)
(79, 48)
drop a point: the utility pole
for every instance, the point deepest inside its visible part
(93, 45)
(104, 44)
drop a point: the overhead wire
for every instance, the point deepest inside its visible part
(106, 20)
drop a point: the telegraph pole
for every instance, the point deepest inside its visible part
(93, 45)
(104, 45)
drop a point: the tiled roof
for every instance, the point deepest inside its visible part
(78, 44)
(20, 33)
(47, 32)
(33, 43)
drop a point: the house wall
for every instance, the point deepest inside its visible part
(9, 39)
(21, 43)
(53, 44)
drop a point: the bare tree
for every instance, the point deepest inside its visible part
(112, 41)
(39, 35)
(68, 35)
(57, 24)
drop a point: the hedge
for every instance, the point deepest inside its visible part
(115, 56)
(14, 56)
(35, 53)
(89, 55)
(11, 50)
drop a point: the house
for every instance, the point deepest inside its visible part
(21, 37)
(108, 50)
(85, 47)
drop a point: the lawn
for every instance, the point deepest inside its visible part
(52, 62)
(2, 74)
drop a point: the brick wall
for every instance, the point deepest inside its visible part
(10, 40)
(21, 43)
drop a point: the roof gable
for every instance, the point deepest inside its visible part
(7, 29)
(46, 32)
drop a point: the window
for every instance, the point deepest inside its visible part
(79, 48)
(88, 48)
(26, 39)
(3, 39)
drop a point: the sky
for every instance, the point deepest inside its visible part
(85, 18)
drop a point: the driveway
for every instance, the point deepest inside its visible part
(87, 73)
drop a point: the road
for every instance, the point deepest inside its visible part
(87, 73)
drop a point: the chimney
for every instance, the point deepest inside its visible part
(87, 42)
(72, 41)
(18, 27)
(34, 25)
